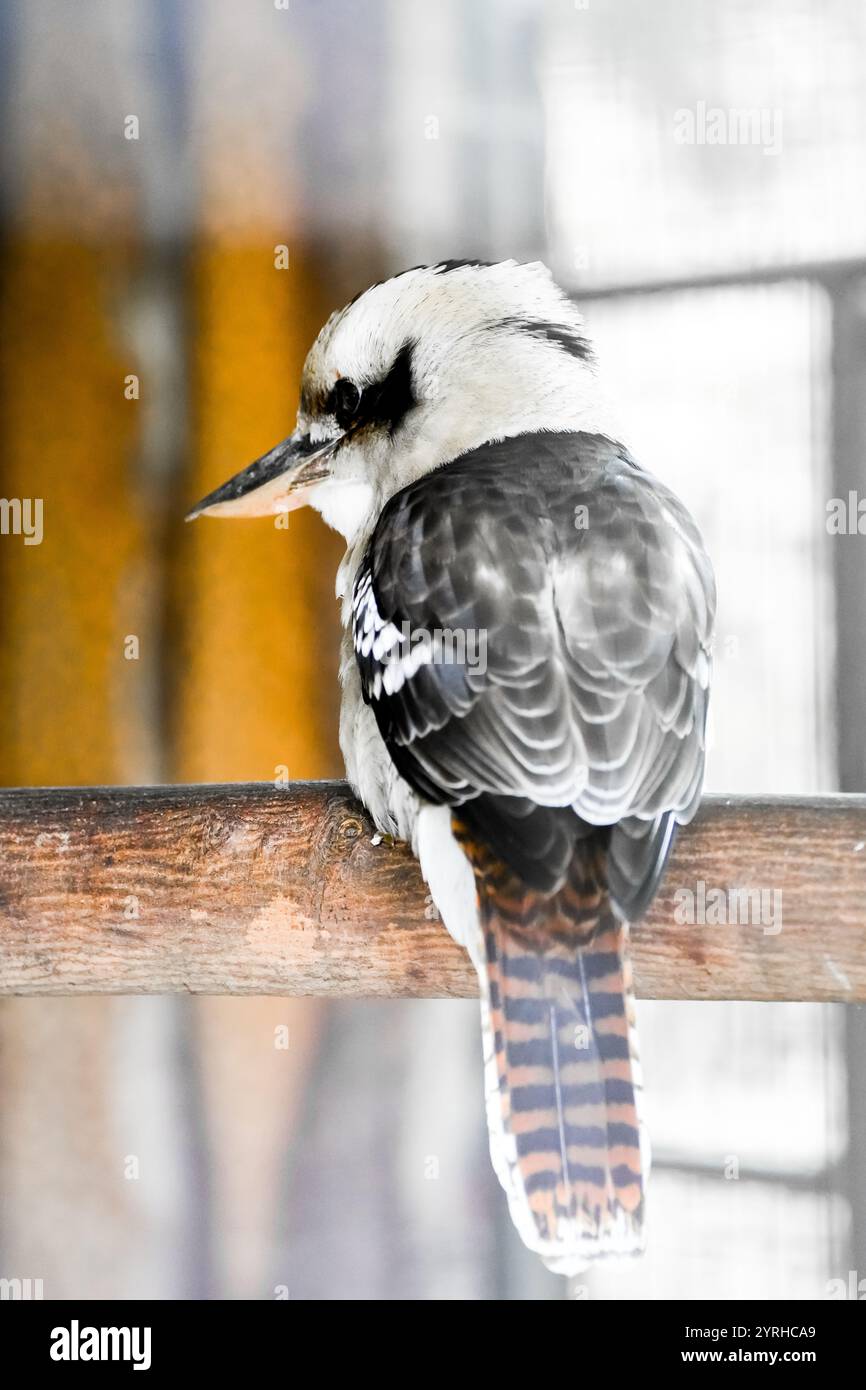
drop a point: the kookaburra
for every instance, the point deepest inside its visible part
(525, 669)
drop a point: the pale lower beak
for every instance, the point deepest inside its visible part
(279, 481)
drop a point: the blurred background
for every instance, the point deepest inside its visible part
(188, 190)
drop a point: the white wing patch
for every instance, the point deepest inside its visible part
(375, 636)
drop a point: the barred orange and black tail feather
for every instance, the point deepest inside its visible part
(561, 1063)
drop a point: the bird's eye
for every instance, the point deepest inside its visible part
(345, 399)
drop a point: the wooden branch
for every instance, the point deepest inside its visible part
(260, 890)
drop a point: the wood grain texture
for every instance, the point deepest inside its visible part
(251, 889)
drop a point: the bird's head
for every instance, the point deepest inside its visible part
(413, 372)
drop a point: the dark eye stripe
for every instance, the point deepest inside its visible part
(384, 403)
(387, 402)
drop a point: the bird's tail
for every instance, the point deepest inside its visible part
(561, 1065)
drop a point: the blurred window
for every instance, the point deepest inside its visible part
(686, 227)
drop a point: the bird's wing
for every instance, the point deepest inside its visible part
(532, 625)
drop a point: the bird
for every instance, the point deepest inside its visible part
(525, 662)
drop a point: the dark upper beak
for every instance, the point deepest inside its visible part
(279, 481)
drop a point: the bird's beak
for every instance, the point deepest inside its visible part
(279, 481)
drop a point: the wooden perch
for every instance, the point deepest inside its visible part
(261, 890)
